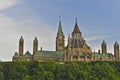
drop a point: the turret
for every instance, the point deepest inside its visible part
(35, 45)
(116, 50)
(60, 38)
(21, 46)
(104, 47)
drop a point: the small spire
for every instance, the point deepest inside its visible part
(116, 43)
(103, 43)
(41, 49)
(60, 18)
(60, 26)
(35, 40)
(76, 19)
(21, 38)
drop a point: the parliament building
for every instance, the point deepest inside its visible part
(76, 49)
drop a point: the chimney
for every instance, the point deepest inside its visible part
(99, 51)
(41, 49)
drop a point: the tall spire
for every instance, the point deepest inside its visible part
(76, 28)
(60, 38)
(60, 26)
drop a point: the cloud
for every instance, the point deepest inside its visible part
(5, 4)
(11, 30)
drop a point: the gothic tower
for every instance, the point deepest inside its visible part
(104, 47)
(60, 38)
(35, 45)
(21, 46)
(116, 50)
(77, 39)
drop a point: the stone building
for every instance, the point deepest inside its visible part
(76, 50)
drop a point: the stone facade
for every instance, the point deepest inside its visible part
(76, 49)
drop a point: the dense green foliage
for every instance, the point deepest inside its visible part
(56, 71)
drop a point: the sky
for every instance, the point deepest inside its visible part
(98, 20)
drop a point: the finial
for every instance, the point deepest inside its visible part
(35, 37)
(21, 38)
(41, 49)
(59, 17)
(76, 19)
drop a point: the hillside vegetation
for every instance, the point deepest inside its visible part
(55, 71)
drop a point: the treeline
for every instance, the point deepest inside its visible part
(60, 71)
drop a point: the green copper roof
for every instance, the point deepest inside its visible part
(27, 54)
(49, 53)
(103, 55)
(60, 27)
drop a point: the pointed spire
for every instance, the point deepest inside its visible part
(35, 40)
(76, 28)
(60, 26)
(116, 43)
(21, 39)
(103, 43)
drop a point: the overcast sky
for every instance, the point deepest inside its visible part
(98, 20)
